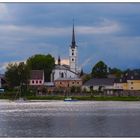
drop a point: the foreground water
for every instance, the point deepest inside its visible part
(70, 119)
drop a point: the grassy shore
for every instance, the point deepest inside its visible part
(85, 98)
(11, 96)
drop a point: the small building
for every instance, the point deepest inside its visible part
(128, 81)
(120, 83)
(36, 78)
(68, 82)
(99, 84)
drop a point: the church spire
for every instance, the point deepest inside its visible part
(73, 43)
(59, 60)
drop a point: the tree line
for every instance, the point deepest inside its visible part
(19, 73)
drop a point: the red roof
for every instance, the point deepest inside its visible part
(37, 74)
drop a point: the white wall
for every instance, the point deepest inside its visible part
(96, 87)
(118, 86)
(73, 64)
(38, 82)
(66, 73)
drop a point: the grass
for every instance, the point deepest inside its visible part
(45, 97)
(11, 96)
(85, 98)
(107, 98)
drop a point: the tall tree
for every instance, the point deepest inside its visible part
(17, 74)
(116, 72)
(100, 70)
(42, 62)
(11, 75)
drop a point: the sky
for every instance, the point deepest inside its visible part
(104, 31)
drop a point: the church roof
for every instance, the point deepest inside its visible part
(64, 67)
(73, 43)
(61, 67)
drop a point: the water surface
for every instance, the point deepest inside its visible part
(69, 119)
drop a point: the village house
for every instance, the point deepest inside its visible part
(129, 81)
(36, 78)
(99, 84)
(68, 82)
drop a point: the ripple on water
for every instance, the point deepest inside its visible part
(70, 119)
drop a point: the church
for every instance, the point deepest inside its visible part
(71, 71)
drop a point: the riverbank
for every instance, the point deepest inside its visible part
(80, 98)
(85, 98)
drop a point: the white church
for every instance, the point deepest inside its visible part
(70, 71)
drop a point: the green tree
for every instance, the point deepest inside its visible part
(115, 71)
(100, 70)
(42, 62)
(86, 77)
(81, 73)
(17, 74)
(11, 75)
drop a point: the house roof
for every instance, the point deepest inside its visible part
(100, 81)
(131, 75)
(37, 74)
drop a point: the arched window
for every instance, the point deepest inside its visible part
(62, 75)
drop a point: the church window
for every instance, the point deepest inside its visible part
(72, 59)
(72, 53)
(62, 75)
(36, 82)
(40, 81)
(33, 82)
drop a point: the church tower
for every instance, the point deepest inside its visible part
(59, 61)
(73, 53)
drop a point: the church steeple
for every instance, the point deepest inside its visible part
(59, 60)
(73, 53)
(73, 43)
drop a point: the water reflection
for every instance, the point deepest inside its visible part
(60, 119)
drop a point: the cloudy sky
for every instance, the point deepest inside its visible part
(104, 31)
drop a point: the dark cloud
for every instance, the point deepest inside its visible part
(104, 31)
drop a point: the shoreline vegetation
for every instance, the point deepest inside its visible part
(11, 96)
(85, 98)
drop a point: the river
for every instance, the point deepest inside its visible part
(69, 119)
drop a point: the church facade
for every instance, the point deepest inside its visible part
(67, 71)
